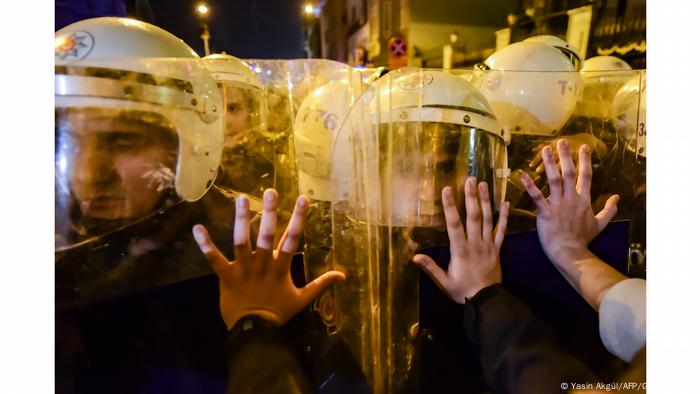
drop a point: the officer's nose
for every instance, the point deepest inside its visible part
(429, 191)
(94, 168)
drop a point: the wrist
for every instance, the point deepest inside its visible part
(474, 290)
(566, 255)
(264, 314)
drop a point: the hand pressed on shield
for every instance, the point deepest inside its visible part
(566, 223)
(565, 220)
(259, 282)
(474, 262)
(575, 142)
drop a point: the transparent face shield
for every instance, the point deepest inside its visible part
(417, 160)
(113, 167)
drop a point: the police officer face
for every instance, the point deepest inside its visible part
(121, 167)
(421, 167)
(238, 110)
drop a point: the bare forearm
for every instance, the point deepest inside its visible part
(587, 274)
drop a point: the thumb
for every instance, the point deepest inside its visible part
(314, 289)
(430, 267)
(606, 214)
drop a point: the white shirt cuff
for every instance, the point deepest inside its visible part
(623, 318)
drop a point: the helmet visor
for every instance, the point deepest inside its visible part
(113, 167)
(416, 160)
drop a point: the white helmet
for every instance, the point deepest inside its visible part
(122, 87)
(238, 84)
(415, 131)
(629, 111)
(532, 87)
(602, 78)
(224, 67)
(605, 63)
(569, 50)
(323, 155)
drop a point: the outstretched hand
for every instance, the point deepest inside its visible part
(474, 262)
(259, 282)
(566, 223)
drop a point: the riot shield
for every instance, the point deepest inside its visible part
(411, 133)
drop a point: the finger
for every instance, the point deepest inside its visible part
(215, 258)
(540, 169)
(266, 233)
(473, 210)
(437, 274)
(608, 212)
(455, 231)
(568, 169)
(537, 159)
(268, 223)
(502, 224)
(314, 289)
(487, 225)
(585, 172)
(534, 192)
(292, 234)
(295, 228)
(241, 231)
(553, 176)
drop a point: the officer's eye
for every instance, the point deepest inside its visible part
(233, 107)
(123, 142)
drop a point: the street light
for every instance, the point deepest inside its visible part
(311, 14)
(203, 11)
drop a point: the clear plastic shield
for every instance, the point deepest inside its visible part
(248, 158)
(286, 84)
(412, 133)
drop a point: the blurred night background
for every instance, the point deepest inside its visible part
(244, 28)
(428, 33)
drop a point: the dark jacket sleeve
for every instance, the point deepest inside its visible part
(519, 353)
(259, 362)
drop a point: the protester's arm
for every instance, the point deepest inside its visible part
(566, 223)
(257, 296)
(519, 353)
